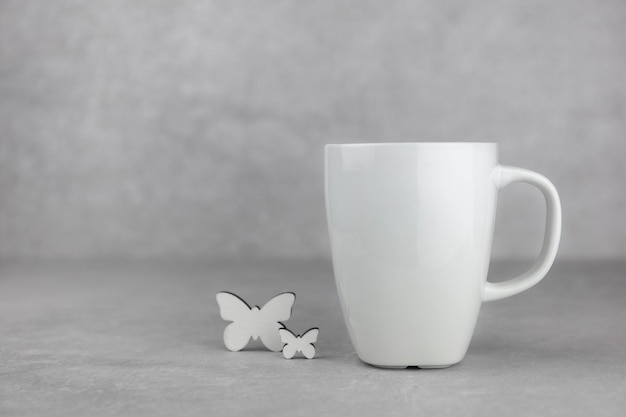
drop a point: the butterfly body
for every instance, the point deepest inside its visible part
(254, 322)
(295, 344)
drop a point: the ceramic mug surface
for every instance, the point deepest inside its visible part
(411, 228)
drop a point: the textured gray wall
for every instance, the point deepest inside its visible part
(186, 129)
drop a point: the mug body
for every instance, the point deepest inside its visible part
(411, 227)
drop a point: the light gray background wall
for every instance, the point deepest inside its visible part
(194, 129)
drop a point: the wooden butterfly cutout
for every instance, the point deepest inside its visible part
(295, 344)
(254, 322)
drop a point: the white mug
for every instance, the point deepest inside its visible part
(411, 228)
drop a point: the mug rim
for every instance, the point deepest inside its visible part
(399, 144)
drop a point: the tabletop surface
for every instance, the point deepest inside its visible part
(147, 339)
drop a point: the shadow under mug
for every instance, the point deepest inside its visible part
(411, 229)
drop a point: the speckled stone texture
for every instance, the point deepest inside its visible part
(194, 129)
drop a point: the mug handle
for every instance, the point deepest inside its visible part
(505, 175)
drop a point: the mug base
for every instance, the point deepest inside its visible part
(412, 366)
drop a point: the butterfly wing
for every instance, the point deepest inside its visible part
(286, 336)
(232, 308)
(273, 312)
(290, 341)
(279, 307)
(308, 351)
(310, 336)
(236, 336)
(289, 352)
(307, 339)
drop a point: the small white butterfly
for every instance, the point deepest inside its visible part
(295, 344)
(254, 322)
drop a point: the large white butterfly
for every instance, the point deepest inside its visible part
(295, 344)
(254, 322)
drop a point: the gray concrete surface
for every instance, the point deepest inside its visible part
(146, 339)
(194, 128)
